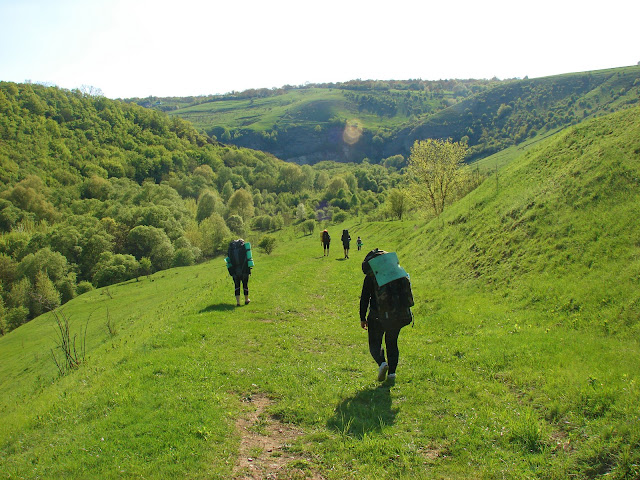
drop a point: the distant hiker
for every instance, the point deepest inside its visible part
(386, 293)
(239, 263)
(346, 241)
(359, 243)
(325, 238)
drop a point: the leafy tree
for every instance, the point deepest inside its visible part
(227, 191)
(236, 225)
(44, 260)
(308, 227)
(214, 234)
(301, 211)
(45, 297)
(206, 205)
(151, 242)
(334, 186)
(183, 257)
(241, 203)
(398, 201)
(115, 268)
(434, 169)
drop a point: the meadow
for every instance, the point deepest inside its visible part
(521, 363)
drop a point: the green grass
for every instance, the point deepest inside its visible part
(305, 107)
(522, 363)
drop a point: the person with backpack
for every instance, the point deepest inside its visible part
(325, 238)
(386, 295)
(359, 243)
(346, 241)
(239, 263)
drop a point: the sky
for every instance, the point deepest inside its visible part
(140, 48)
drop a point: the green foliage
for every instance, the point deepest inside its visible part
(153, 243)
(267, 244)
(308, 226)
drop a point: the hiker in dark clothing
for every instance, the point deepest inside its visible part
(239, 263)
(377, 332)
(325, 238)
(359, 243)
(346, 241)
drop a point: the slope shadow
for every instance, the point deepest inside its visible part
(367, 411)
(218, 307)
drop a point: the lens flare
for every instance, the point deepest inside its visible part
(352, 132)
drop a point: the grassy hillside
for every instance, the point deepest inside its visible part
(306, 124)
(522, 362)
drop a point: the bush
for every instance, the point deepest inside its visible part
(267, 244)
(183, 257)
(83, 287)
(236, 225)
(340, 217)
(308, 227)
(16, 317)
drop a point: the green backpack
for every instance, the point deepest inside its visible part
(392, 288)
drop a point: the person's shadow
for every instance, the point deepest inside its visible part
(367, 411)
(218, 307)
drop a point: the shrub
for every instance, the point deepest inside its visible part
(183, 257)
(267, 244)
(83, 287)
(340, 217)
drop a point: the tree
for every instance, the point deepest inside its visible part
(152, 242)
(206, 206)
(434, 169)
(213, 233)
(241, 203)
(398, 202)
(308, 227)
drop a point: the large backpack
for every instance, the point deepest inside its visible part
(237, 254)
(392, 288)
(326, 238)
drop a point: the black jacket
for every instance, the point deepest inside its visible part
(368, 299)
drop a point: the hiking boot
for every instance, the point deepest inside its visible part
(382, 371)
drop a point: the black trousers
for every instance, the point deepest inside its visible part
(245, 284)
(376, 335)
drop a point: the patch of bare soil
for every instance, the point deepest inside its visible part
(265, 452)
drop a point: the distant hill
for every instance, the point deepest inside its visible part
(306, 124)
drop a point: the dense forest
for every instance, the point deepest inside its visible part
(304, 123)
(96, 191)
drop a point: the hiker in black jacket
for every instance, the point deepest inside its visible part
(376, 332)
(346, 241)
(325, 239)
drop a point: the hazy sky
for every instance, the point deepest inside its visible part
(137, 48)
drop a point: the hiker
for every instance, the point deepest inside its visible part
(325, 238)
(239, 263)
(384, 326)
(346, 241)
(359, 243)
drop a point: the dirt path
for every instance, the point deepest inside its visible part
(265, 452)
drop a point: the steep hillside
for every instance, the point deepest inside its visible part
(522, 362)
(306, 124)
